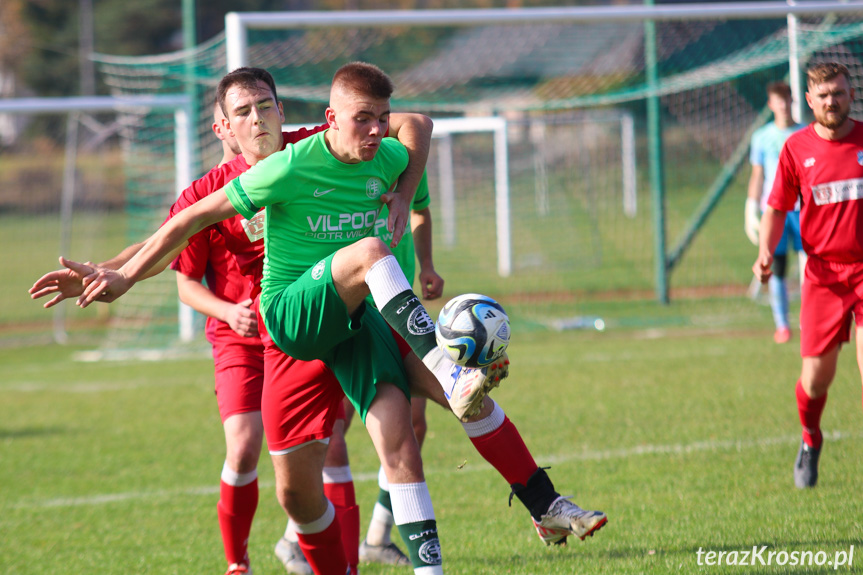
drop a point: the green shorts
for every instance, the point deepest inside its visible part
(308, 320)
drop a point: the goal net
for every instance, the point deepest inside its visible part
(84, 177)
(586, 235)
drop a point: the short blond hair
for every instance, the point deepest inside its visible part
(363, 78)
(826, 71)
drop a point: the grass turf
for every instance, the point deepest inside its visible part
(684, 436)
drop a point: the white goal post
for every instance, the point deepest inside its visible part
(237, 23)
(183, 162)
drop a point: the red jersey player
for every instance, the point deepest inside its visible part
(494, 436)
(822, 165)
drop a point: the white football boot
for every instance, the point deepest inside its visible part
(291, 556)
(565, 518)
(472, 384)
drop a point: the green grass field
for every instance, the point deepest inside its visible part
(685, 436)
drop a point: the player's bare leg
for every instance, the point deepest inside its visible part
(496, 438)
(377, 547)
(368, 267)
(388, 422)
(238, 499)
(300, 491)
(815, 379)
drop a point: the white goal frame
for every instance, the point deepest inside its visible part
(183, 169)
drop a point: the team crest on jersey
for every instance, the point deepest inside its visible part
(254, 228)
(318, 270)
(860, 157)
(374, 188)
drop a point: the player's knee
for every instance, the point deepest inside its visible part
(372, 249)
(420, 429)
(243, 456)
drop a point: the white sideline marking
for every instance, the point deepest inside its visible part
(623, 453)
(36, 387)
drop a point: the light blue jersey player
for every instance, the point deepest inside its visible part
(767, 142)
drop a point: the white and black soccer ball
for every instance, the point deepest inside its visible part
(473, 330)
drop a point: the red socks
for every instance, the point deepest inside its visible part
(343, 498)
(236, 510)
(507, 453)
(810, 411)
(323, 550)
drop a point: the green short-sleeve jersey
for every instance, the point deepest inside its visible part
(404, 252)
(315, 203)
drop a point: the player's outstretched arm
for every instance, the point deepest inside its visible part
(421, 227)
(772, 225)
(242, 319)
(158, 250)
(65, 284)
(62, 284)
(414, 131)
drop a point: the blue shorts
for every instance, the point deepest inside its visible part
(790, 233)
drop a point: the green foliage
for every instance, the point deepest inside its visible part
(684, 436)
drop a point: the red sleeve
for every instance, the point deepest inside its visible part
(193, 260)
(302, 134)
(786, 185)
(212, 181)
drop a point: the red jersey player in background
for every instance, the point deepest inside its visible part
(822, 165)
(490, 431)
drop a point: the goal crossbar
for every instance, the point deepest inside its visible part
(237, 23)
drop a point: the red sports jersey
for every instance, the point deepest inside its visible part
(206, 257)
(242, 238)
(827, 176)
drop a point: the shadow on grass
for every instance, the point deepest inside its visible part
(26, 432)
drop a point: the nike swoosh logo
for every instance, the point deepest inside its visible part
(318, 193)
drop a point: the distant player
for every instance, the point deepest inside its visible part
(822, 166)
(767, 142)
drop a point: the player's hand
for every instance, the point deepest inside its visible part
(100, 284)
(242, 319)
(399, 207)
(431, 283)
(763, 267)
(751, 221)
(63, 284)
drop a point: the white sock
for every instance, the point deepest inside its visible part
(235, 479)
(386, 280)
(380, 527)
(411, 502)
(485, 425)
(319, 524)
(291, 532)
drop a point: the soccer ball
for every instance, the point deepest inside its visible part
(473, 330)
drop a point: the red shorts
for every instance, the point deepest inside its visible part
(239, 377)
(301, 399)
(831, 293)
(404, 348)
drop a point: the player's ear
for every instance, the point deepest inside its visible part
(226, 127)
(282, 112)
(217, 129)
(331, 118)
(809, 99)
